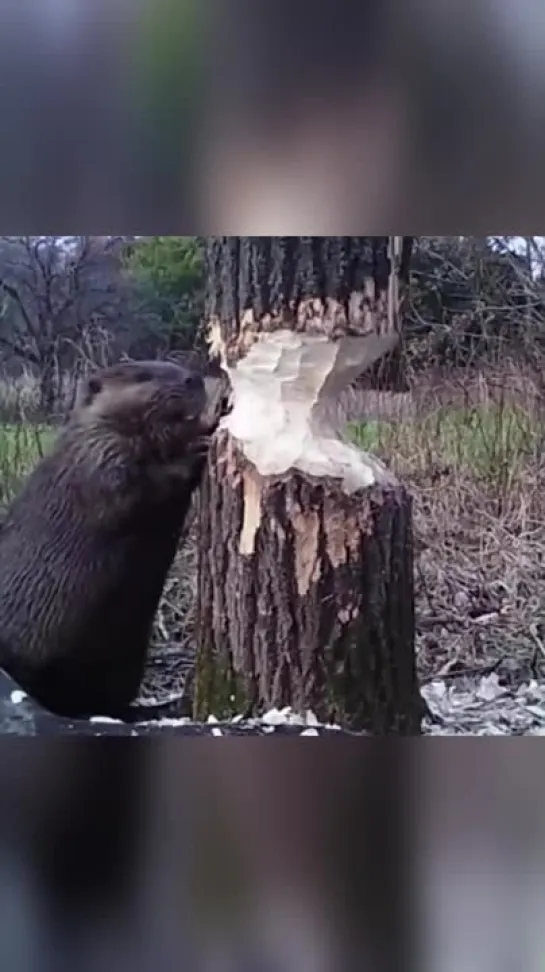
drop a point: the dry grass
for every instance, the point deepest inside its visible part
(21, 445)
(472, 451)
(24, 436)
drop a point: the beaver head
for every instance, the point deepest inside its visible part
(158, 405)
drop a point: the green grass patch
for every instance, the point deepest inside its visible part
(480, 440)
(21, 446)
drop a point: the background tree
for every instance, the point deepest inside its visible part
(306, 575)
(474, 300)
(68, 303)
(168, 273)
(61, 298)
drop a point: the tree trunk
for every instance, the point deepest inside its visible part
(48, 389)
(306, 572)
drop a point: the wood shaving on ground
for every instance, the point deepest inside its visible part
(484, 707)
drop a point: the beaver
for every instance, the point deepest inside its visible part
(86, 546)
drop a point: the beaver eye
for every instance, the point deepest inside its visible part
(193, 382)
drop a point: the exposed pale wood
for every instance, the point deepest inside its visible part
(306, 577)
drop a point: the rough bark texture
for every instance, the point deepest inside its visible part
(305, 586)
(273, 275)
(309, 598)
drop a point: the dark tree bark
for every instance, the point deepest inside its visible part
(272, 275)
(306, 571)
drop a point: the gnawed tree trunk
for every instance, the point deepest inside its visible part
(306, 572)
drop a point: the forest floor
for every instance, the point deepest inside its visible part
(472, 453)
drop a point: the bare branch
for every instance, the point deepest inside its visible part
(15, 296)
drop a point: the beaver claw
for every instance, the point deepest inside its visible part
(200, 446)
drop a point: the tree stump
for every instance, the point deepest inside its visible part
(306, 563)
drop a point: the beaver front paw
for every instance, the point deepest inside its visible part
(198, 448)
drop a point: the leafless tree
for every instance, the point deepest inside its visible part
(59, 297)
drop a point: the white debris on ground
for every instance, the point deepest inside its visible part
(274, 718)
(156, 700)
(473, 707)
(484, 707)
(107, 720)
(458, 707)
(18, 696)
(267, 723)
(286, 716)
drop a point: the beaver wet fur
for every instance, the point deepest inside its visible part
(86, 546)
